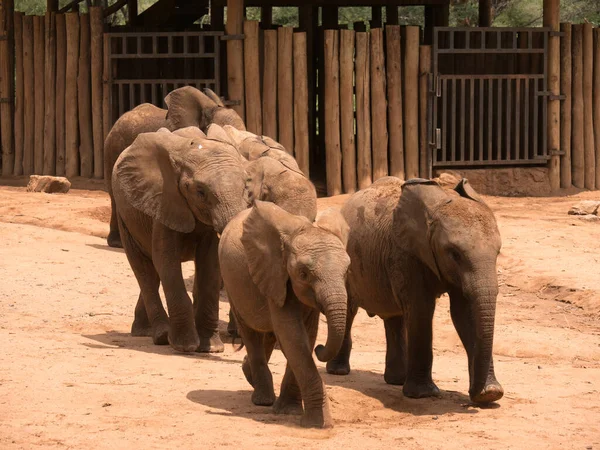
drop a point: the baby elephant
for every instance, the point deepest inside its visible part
(279, 271)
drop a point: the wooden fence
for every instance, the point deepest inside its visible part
(58, 108)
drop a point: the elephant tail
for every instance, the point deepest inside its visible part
(233, 343)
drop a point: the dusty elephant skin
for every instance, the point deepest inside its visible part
(173, 195)
(409, 243)
(187, 107)
(279, 271)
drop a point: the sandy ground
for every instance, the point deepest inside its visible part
(72, 377)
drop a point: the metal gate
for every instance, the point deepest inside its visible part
(145, 67)
(488, 104)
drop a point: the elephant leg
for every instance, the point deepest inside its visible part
(395, 355)
(340, 365)
(257, 370)
(114, 237)
(418, 320)
(207, 287)
(150, 317)
(294, 340)
(461, 314)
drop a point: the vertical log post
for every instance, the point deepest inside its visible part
(363, 110)
(61, 67)
(7, 74)
(106, 110)
(50, 96)
(252, 77)
(347, 110)
(565, 106)
(391, 15)
(29, 97)
(411, 100)
(84, 104)
(71, 114)
(577, 151)
(551, 19)
(269, 106)
(301, 129)
(485, 13)
(394, 93)
(379, 105)
(235, 55)
(97, 55)
(424, 70)
(588, 114)
(596, 99)
(20, 94)
(38, 67)
(332, 112)
(285, 86)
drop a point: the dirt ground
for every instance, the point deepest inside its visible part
(72, 377)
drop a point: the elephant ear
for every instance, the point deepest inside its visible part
(332, 220)
(214, 97)
(284, 158)
(465, 189)
(413, 217)
(187, 106)
(273, 143)
(148, 173)
(256, 178)
(190, 132)
(217, 133)
(266, 231)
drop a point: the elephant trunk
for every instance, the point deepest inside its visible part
(334, 306)
(225, 211)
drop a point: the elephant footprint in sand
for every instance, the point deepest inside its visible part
(279, 271)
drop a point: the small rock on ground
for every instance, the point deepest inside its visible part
(584, 208)
(48, 184)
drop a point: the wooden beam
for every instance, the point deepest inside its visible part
(52, 5)
(132, 12)
(332, 112)
(376, 17)
(7, 11)
(551, 19)
(217, 17)
(565, 110)
(391, 15)
(588, 113)
(235, 55)
(266, 16)
(252, 77)
(485, 13)
(330, 17)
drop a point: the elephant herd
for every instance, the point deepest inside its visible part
(190, 183)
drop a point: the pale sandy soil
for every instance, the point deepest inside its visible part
(72, 377)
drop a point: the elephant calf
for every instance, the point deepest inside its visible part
(279, 271)
(409, 243)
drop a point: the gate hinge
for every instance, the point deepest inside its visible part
(231, 102)
(551, 96)
(557, 153)
(437, 139)
(556, 33)
(232, 37)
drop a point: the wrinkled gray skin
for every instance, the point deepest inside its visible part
(279, 271)
(187, 107)
(408, 245)
(173, 195)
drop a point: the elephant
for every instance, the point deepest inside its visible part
(187, 106)
(279, 271)
(174, 194)
(409, 243)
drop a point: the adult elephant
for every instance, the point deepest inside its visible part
(409, 243)
(173, 195)
(187, 107)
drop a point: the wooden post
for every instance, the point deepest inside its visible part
(565, 106)
(71, 114)
(252, 77)
(7, 11)
(217, 17)
(485, 13)
(391, 15)
(424, 70)
(50, 96)
(29, 97)
(97, 55)
(596, 99)
(330, 17)
(61, 67)
(132, 12)
(411, 100)
(106, 111)
(38, 67)
(269, 106)
(20, 94)
(363, 110)
(588, 114)
(266, 16)
(235, 55)
(551, 19)
(376, 22)
(577, 151)
(332, 112)
(301, 129)
(394, 92)
(84, 104)
(285, 86)
(347, 110)
(379, 105)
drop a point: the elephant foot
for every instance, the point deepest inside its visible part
(141, 328)
(338, 367)
(289, 407)
(394, 377)
(263, 396)
(490, 393)
(212, 344)
(160, 334)
(114, 240)
(318, 419)
(185, 340)
(420, 389)
(247, 370)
